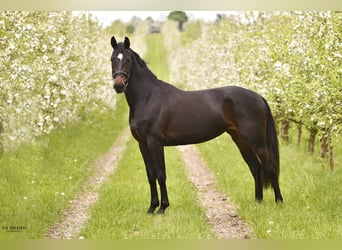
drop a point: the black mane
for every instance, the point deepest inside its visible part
(142, 63)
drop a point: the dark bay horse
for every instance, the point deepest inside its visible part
(162, 115)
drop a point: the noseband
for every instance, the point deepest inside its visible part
(117, 73)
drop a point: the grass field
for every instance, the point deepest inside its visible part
(156, 56)
(37, 180)
(312, 207)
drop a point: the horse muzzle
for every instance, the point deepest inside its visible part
(120, 87)
(120, 83)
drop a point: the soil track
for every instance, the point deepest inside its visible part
(220, 212)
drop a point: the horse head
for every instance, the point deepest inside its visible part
(121, 64)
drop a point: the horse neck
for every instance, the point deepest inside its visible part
(140, 84)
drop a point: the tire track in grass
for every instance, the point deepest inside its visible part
(74, 218)
(221, 213)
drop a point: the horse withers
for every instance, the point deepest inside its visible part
(163, 115)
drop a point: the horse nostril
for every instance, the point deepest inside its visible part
(119, 79)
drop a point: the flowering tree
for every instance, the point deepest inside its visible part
(52, 65)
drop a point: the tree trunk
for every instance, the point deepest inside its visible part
(323, 146)
(299, 135)
(1, 132)
(331, 153)
(311, 145)
(180, 26)
(326, 149)
(284, 130)
(276, 124)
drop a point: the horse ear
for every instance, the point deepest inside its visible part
(113, 42)
(127, 43)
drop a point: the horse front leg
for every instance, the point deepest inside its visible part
(151, 175)
(158, 159)
(163, 191)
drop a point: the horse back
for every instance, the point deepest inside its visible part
(198, 116)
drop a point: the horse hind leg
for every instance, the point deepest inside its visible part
(253, 163)
(277, 193)
(255, 168)
(270, 173)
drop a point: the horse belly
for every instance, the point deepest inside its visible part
(195, 117)
(192, 131)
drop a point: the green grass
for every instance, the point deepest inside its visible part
(125, 198)
(156, 56)
(38, 180)
(312, 207)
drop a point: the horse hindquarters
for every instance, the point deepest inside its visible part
(254, 133)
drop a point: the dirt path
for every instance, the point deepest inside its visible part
(220, 212)
(74, 218)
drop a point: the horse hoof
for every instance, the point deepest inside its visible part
(162, 208)
(161, 211)
(279, 200)
(151, 209)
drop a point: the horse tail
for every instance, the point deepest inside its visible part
(273, 149)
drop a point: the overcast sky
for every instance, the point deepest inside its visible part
(107, 17)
